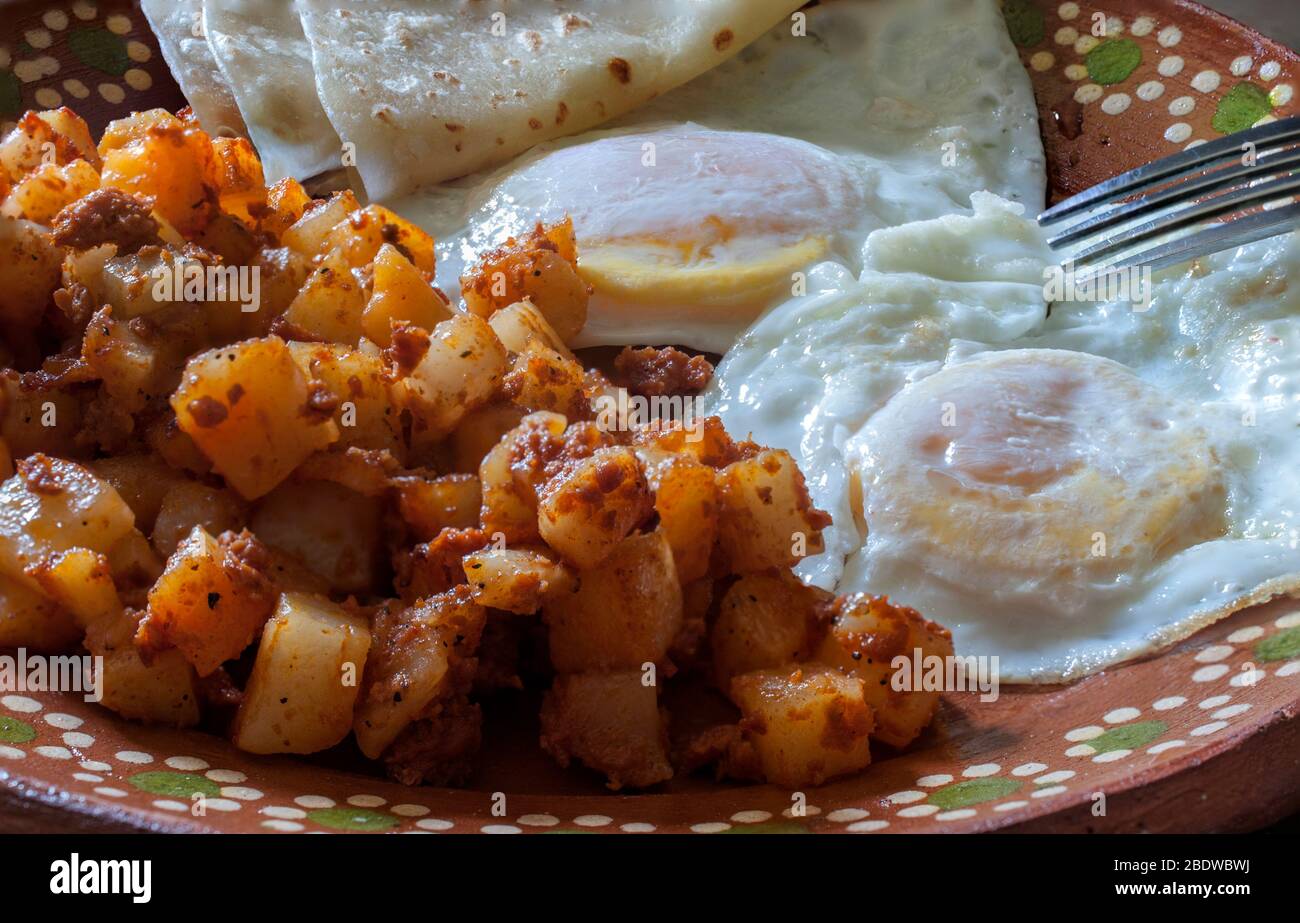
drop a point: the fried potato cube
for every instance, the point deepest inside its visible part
(30, 270)
(686, 499)
(479, 432)
(541, 268)
(73, 129)
(585, 512)
(305, 680)
(209, 603)
(330, 303)
(283, 273)
(365, 411)
(81, 582)
(429, 505)
(542, 379)
(362, 234)
(709, 444)
(39, 138)
(521, 323)
(766, 518)
(460, 370)
(51, 506)
(333, 530)
(170, 162)
(309, 233)
(242, 188)
(418, 656)
(131, 369)
(515, 579)
(400, 293)
(624, 613)
(32, 620)
(807, 726)
(510, 491)
(867, 633)
(38, 421)
(766, 620)
(191, 503)
(246, 407)
(162, 691)
(610, 722)
(286, 202)
(141, 480)
(44, 192)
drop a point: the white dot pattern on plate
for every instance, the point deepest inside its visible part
(87, 777)
(166, 804)
(109, 792)
(1289, 669)
(1081, 750)
(1169, 702)
(285, 826)
(1120, 715)
(1060, 775)
(959, 814)
(1028, 769)
(1116, 103)
(1169, 36)
(1088, 93)
(409, 810)
(637, 828)
(1049, 791)
(1142, 26)
(1170, 66)
(63, 722)
(20, 704)
(95, 766)
(1289, 621)
(366, 801)
(1232, 711)
(537, 820)
(1010, 805)
(54, 753)
(867, 826)
(1075, 71)
(751, 817)
(1244, 635)
(712, 827)
(1067, 11)
(905, 797)
(55, 19)
(918, 810)
(137, 757)
(1241, 66)
(1213, 701)
(1206, 729)
(1085, 43)
(1247, 678)
(593, 820)
(1213, 653)
(241, 793)
(230, 777)
(1269, 70)
(1151, 90)
(1042, 61)
(981, 770)
(434, 823)
(500, 829)
(186, 763)
(847, 815)
(314, 802)
(282, 812)
(11, 753)
(78, 740)
(1166, 745)
(1066, 35)
(1111, 756)
(1210, 673)
(934, 781)
(1206, 81)
(1084, 733)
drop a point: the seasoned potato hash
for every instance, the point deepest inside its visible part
(286, 489)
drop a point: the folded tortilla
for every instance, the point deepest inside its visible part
(262, 52)
(178, 25)
(427, 90)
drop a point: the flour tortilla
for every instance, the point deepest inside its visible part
(265, 58)
(175, 23)
(429, 90)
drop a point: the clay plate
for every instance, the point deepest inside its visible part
(1202, 737)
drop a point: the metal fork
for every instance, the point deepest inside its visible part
(1211, 197)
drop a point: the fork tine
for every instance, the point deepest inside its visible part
(1197, 211)
(1222, 236)
(1267, 163)
(1146, 176)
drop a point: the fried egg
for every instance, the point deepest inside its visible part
(702, 210)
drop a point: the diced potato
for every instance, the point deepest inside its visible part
(766, 620)
(81, 582)
(32, 620)
(246, 407)
(331, 529)
(541, 268)
(807, 726)
(30, 270)
(127, 282)
(415, 659)
(623, 614)
(515, 579)
(209, 604)
(242, 189)
(429, 505)
(686, 499)
(39, 421)
(283, 273)
(610, 722)
(480, 431)
(365, 413)
(134, 563)
(73, 129)
(369, 472)
(172, 163)
(460, 370)
(586, 512)
(401, 293)
(190, 503)
(767, 517)
(130, 368)
(141, 480)
(434, 567)
(867, 633)
(710, 444)
(31, 143)
(331, 302)
(309, 233)
(362, 233)
(305, 680)
(509, 495)
(542, 379)
(286, 202)
(162, 691)
(121, 132)
(519, 324)
(52, 505)
(43, 193)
